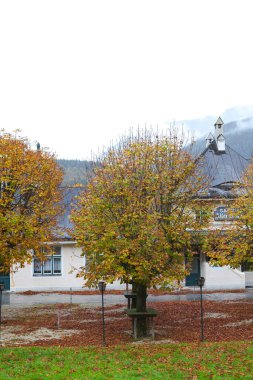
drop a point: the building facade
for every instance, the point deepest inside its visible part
(224, 167)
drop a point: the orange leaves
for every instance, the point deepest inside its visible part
(140, 201)
(232, 243)
(29, 198)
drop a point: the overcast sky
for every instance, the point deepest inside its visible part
(75, 75)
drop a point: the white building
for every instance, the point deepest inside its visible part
(221, 163)
(224, 166)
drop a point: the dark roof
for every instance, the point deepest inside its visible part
(223, 167)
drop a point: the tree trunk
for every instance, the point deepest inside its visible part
(141, 323)
(134, 299)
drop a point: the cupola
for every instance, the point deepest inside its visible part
(209, 139)
(219, 135)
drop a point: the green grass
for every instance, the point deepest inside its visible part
(232, 360)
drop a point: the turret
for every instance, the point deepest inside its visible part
(209, 139)
(219, 135)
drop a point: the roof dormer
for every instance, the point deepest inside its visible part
(221, 146)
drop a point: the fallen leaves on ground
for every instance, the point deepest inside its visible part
(177, 321)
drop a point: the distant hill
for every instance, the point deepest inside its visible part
(234, 118)
(238, 129)
(75, 171)
(241, 140)
(238, 135)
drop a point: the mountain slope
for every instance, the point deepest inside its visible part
(238, 135)
(238, 131)
(75, 171)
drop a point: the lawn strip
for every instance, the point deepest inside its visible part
(227, 360)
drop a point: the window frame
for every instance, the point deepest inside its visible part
(51, 259)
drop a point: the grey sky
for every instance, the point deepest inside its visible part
(75, 75)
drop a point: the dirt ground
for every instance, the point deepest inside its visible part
(79, 325)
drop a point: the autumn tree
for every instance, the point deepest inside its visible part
(30, 199)
(135, 218)
(232, 243)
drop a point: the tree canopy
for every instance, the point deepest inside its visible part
(30, 198)
(232, 243)
(134, 220)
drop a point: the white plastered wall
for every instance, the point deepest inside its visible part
(218, 278)
(23, 279)
(249, 279)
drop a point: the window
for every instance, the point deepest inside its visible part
(50, 266)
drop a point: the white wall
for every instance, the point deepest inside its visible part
(249, 278)
(216, 277)
(222, 277)
(24, 279)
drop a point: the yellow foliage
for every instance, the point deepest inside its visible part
(232, 244)
(138, 211)
(29, 199)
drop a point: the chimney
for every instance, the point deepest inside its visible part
(219, 135)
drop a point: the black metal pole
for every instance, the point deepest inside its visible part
(201, 315)
(103, 317)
